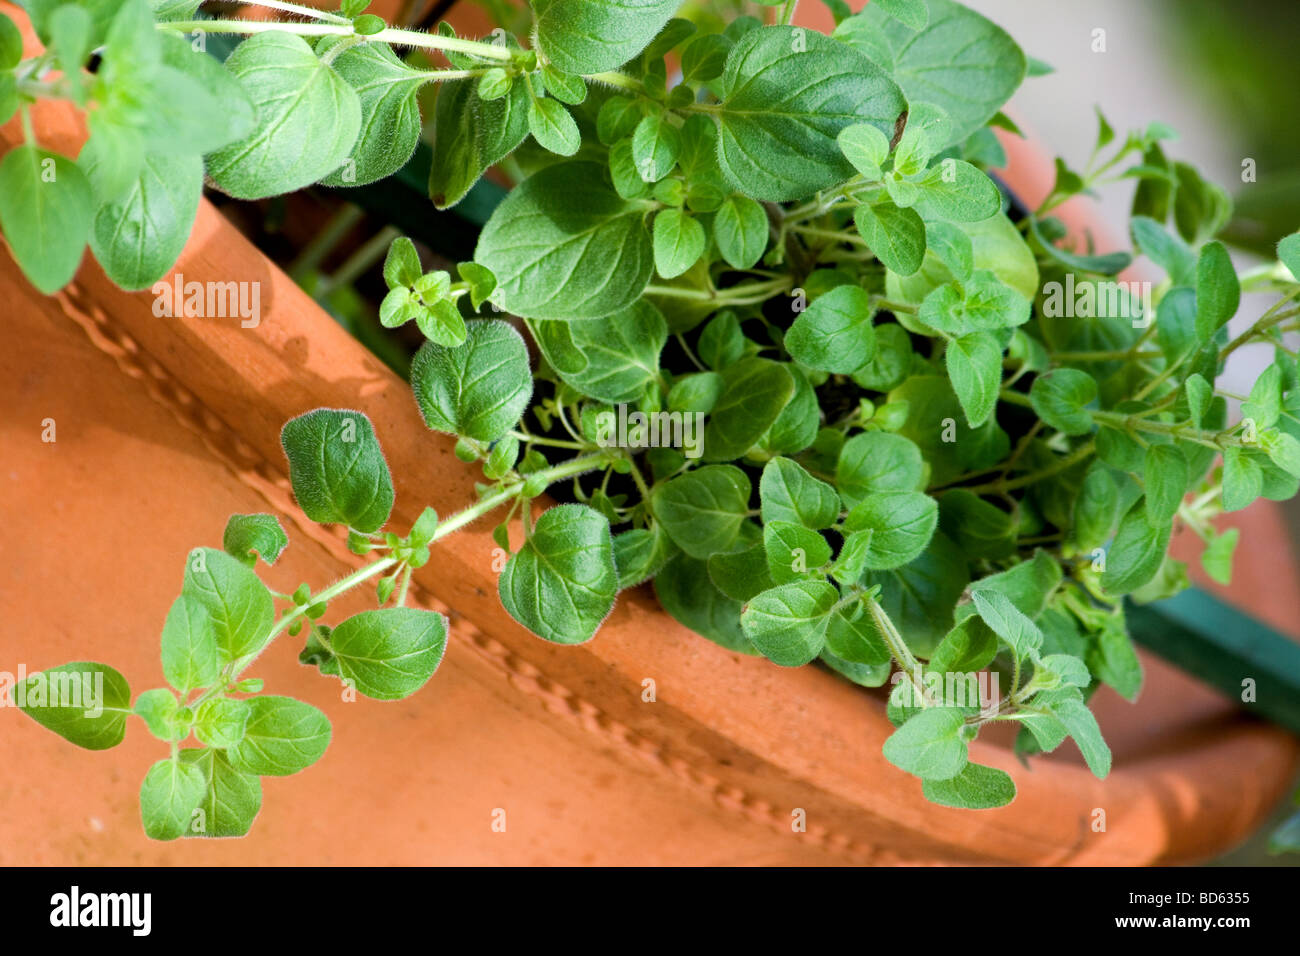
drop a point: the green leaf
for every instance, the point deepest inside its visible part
(687, 592)
(45, 214)
(390, 113)
(929, 744)
(1243, 479)
(1288, 253)
(159, 708)
(191, 657)
(979, 528)
(282, 736)
(1200, 394)
(220, 722)
(1218, 291)
(974, 364)
(169, 795)
(240, 606)
(562, 583)
(896, 236)
(565, 87)
(8, 96)
(982, 304)
(248, 536)
(1068, 707)
(470, 135)
(695, 393)
(793, 551)
(11, 44)
(390, 653)
(591, 36)
(755, 391)
(656, 144)
(1216, 559)
(83, 702)
(1166, 477)
(553, 127)
(834, 334)
(976, 788)
(913, 14)
(621, 351)
(788, 493)
(877, 461)
(740, 229)
(891, 363)
(563, 245)
(968, 647)
(740, 574)
(866, 147)
(1007, 621)
(852, 635)
(786, 94)
(1061, 397)
(482, 283)
(1284, 451)
(337, 469)
(960, 62)
(1096, 509)
(901, 525)
(1264, 405)
(231, 798)
(1165, 250)
(703, 510)
(1028, 585)
(679, 242)
(308, 119)
(639, 554)
(1135, 555)
(1107, 264)
(617, 119)
(138, 236)
(920, 597)
(1115, 662)
(787, 623)
(196, 105)
(478, 389)
(956, 191)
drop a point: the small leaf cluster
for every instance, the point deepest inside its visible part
(797, 362)
(224, 619)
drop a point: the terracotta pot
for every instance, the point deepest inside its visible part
(166, 426)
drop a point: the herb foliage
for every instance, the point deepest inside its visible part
(911, 464)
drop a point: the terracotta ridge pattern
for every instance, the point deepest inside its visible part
(253, 470)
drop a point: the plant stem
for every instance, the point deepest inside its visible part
(1058, 466)
(568, 469)
(428, 41)
(747, 293)
(1133, 423)
(898, 648)
(621, 80)
(1269, 319)
(298, 8)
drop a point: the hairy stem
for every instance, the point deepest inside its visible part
(392, 35)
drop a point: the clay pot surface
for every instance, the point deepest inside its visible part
(165, 426)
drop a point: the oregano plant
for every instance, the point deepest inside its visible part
(800, 362)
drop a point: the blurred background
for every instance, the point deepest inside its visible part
(1224, 74)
